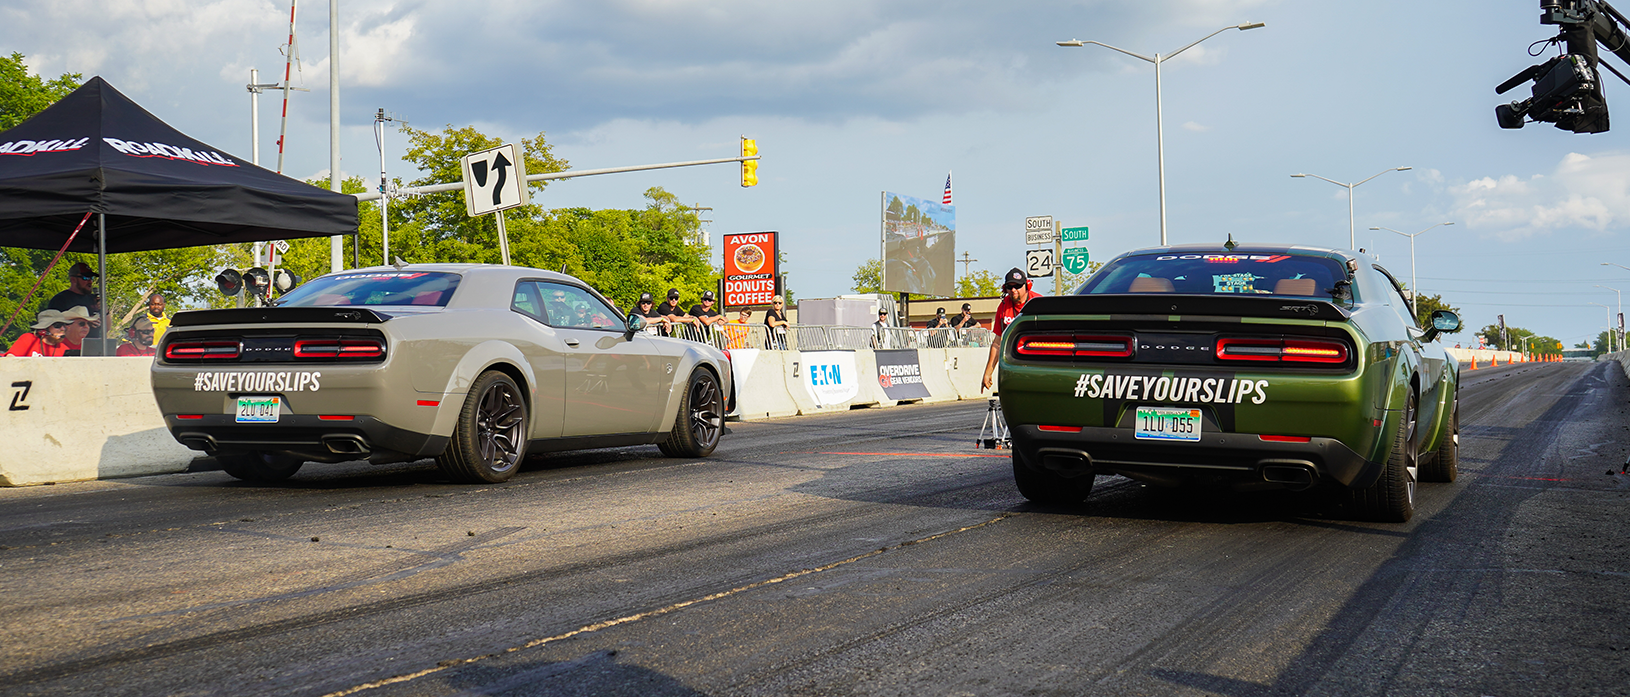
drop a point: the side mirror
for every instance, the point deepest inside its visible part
(636, 324)
(1443, 322)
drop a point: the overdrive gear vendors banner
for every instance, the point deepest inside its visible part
(900, 374)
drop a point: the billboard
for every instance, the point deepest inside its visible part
(750, 262)
(919, 246)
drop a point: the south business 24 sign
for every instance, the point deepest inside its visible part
(750, 263)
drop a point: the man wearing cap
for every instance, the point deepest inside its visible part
(655, 323)
(704, 313)
(879, 335)
(1016, 291)
(81, 292)
(941, 323)
(965, 320)
(671, 312)
(140, 334)
(46, 339)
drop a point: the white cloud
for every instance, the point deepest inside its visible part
(1196, 127)
(1584, 192)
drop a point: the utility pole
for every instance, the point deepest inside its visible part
(707, 237)
(255, 89)
(384, 185)
(966, 262)
(336, 254)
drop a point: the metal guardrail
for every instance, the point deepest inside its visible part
(830, 338)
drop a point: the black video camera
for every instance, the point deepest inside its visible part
(1566, 92)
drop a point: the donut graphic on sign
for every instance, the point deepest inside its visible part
(749, 258)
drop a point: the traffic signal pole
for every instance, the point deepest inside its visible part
(459, 185)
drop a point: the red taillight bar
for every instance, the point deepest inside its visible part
(339, 348)
(1075, 345)
(199, 350)
(1282, 350)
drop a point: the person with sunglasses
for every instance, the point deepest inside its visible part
(81, 293)
(80, 323)
(776, 320)
(46, 338)
(140, 334)
(1016, 291)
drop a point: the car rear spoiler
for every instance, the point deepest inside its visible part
(1175, 304)
(280, 315)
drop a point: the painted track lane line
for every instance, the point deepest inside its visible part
(626, 619)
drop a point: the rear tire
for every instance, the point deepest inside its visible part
(700, 420)
(1045, 487)
(1392, 498)
(1445, 466)
(259, 466)
(490, 438)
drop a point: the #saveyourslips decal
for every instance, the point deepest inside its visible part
(829, 376)
(900, 375)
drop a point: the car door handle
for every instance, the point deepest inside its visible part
(572, 343)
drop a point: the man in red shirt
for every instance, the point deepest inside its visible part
(1016, 291)
(45, 340)
(141, 339)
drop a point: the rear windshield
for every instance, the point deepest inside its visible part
(1219, 274)
(375, 288)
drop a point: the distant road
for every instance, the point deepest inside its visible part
(873, 552)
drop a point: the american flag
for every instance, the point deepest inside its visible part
(947, 198)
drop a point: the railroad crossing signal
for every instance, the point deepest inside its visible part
(749, 168)
(494, 180)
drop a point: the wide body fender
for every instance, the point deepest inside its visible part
(691, 358)
(477, 360)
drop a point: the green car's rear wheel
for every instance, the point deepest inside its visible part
(258, 466)
(490, 438)
(1392, 498)
(1042, 486)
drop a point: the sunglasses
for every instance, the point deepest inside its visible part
(88, 277)
(58, 325)
(81, 323)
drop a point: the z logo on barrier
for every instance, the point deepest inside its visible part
(19, 399)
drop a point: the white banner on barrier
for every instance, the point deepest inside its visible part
(741, 366)
(830, 376)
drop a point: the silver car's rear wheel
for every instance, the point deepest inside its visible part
(490, 438)
(700, 420)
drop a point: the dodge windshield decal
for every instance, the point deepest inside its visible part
(1168, 389)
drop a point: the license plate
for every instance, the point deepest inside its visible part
(259, 410)
(1165, 423)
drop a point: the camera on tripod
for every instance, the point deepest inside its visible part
(1567, 89)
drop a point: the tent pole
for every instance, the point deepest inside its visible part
(102, 277)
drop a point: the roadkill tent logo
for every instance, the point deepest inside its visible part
(32, 147)
(1150, 388)
(169, 152)
(829, 376)
(900, 374)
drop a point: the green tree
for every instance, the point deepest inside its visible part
(979, 284)
(869, 277)
(1425, 305)
(23, 95)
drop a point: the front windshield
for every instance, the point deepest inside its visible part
(1296, 275)
(375, 288)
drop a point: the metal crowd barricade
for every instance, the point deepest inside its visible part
(809, 337)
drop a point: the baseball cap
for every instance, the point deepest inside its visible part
(1015, 277)
(967, 306)
(881, 312)
(646, 298)
(47, 318)
(673, 293)
(142, 324)
(940, 311)
(81, 268)
(707, 295)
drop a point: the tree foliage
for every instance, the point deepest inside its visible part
(868, 277)
(23, 95)
(979, 284)
(1425, 305)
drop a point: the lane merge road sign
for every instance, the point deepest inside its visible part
(494, 180)
(1038, 229)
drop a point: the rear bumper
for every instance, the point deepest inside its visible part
(305, 435)
(1237, 457)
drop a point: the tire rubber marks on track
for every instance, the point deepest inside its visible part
(626, 619)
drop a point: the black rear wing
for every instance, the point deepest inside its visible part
(279, 315)
(1191, 305)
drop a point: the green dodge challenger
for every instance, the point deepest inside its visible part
(1248, 367)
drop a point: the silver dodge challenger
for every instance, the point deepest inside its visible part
(474, 365)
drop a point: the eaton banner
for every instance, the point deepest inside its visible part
(829, 376)
(900, 374)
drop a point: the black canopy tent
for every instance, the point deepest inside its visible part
(151, 186)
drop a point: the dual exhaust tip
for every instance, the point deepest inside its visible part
(337, 443)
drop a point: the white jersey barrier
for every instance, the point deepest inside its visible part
(770, 384)
(1486, 357)
(71, 419)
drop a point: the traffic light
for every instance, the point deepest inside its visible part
(749, 168)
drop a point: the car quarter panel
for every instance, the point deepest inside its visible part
(688, 356)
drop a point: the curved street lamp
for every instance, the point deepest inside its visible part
(1612, 326)
(1352, 239)
(1609, 325)
(1160, 134)
(1413, 290)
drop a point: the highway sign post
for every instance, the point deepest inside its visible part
(495, 180)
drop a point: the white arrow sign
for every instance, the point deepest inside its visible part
(494, 180)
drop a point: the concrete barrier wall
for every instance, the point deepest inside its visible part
(1486, 357)
(777, 383)
(71, 419)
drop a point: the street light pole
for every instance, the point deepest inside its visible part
(1621, 306)
(1160, 131)
(1609, 325)
(1414, 291)
(1352, 237)
(1612, 324)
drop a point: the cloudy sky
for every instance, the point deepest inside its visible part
(848, 98)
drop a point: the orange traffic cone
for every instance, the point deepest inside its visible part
(1474, 362)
